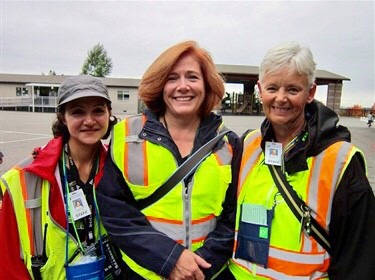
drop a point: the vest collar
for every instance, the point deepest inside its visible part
(322, 132)
(154, 129)
(44, 166)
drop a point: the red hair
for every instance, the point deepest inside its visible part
(155, 77)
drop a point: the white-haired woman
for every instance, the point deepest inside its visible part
(324, 173)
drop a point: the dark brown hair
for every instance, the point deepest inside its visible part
(155, 77)
(60, 129)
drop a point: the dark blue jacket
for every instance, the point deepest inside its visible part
(130, 229)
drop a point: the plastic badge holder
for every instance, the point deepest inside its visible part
(86, 271)
(253, 240)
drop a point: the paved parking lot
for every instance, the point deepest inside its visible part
(20, 132)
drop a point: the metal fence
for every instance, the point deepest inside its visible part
(356, 112)
(15, 101)
(40, 102)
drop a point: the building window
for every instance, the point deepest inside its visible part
(22, 91)
(123, 95)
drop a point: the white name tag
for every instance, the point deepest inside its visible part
(273, 153)
(254, 214)
(78, 205)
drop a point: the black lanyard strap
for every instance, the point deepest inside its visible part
(300, 209)
(74, 183)
(182, 172)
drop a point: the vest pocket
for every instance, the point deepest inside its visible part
(253, 239)
(49, 268)
(252, 249)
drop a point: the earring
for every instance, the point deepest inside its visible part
(113, 120)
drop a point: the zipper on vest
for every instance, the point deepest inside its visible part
(187, 213)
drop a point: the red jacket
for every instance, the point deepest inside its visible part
(44, 165)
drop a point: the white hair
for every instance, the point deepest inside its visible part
(291, 54)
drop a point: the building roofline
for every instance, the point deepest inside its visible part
(225, 69)
(58, 79)
(254, 71)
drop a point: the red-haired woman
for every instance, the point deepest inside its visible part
(187, 233)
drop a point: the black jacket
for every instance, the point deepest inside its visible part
(352, 225)
(130, 229)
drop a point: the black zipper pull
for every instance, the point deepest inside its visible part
(44, 253)
(305, 221)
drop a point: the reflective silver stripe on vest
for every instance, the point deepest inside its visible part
(315, 179)
(34, 193)
(277, 275)
(249, 164)
(135, 151)
(176, 231)
(295, 257)
(224, 155)
(201, 230)
(33, 204)
(308, 243)
(11, 198)
(313, 199)
(173, 231)
(339, 164)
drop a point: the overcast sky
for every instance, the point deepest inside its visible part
(38, 36)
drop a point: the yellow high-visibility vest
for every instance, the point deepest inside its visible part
(289, 257)
(30, 196)
(185, 215)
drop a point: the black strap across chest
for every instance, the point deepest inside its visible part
(182, 172)
(298, 207)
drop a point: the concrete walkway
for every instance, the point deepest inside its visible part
(20, 132)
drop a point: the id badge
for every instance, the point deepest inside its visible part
(253, 239)
(273, 153)
(78, 205)
(86, 271)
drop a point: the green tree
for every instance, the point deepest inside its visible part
(97, 63)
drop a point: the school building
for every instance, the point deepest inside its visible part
(38, 93)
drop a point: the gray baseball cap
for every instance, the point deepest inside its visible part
(81, 86)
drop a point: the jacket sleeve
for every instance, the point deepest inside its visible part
(129, 228)
(218, 246)
(352, 226)
(11, 265)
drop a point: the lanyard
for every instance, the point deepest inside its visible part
(74, 185)
(67, 214)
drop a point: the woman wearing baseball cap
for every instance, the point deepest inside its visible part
(42, 235)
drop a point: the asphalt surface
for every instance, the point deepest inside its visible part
(20, 132)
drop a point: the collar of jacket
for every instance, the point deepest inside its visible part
(158, 134)
(322, 132)
(44, 166)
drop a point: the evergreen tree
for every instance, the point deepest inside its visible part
(97, 63)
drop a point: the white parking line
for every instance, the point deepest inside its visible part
(22, 140)
(26, 133)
